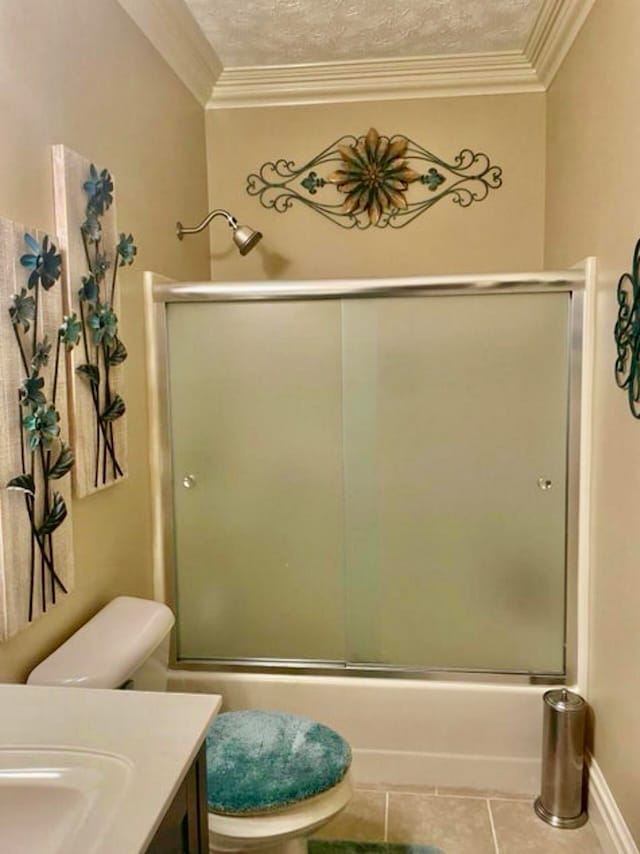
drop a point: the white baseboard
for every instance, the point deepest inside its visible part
(608, 822)
(514, 775)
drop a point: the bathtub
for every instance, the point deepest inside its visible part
(405, 732)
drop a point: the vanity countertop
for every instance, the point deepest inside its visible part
(156, 735)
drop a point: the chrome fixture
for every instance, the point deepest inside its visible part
(244, 237)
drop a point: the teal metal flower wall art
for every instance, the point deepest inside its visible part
(44, 454)
(98, 326)
(627, 334)
(374, 180)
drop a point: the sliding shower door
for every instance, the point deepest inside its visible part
(372, 482)
(455, 480)
(256, 420)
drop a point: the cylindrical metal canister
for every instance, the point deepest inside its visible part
(561, 801)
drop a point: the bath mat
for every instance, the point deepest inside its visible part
(260, 761)
(345, 846)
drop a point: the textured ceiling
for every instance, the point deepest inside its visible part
(281, 32)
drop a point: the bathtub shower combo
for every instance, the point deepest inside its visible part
(368, 507)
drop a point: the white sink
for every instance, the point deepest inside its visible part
(54, 800)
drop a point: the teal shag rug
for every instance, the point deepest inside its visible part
(262, 761)
(344, 846)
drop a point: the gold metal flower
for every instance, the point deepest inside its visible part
(375, 175)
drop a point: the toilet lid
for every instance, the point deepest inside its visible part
(262, 761)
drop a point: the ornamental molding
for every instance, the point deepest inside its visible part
(499, 73)
(172, 30)
(555, 30)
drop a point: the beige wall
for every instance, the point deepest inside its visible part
(503, 232)
(593, 198)
(81, 73)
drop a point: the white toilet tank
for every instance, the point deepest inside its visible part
(126, 644)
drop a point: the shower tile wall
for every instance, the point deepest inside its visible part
(459, 821)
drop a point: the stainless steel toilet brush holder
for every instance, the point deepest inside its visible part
(561, 794)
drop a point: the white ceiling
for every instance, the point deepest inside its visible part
(284, 32)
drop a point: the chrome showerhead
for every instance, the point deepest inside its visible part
(244, 237)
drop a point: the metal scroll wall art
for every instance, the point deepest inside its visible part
(96, 252)
(36, 553)
(374, 180)
(627, 334)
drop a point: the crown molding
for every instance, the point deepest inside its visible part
(373, 80)
(172, 30)
(557, 25)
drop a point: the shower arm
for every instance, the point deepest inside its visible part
(182, 230)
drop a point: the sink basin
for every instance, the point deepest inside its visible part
(54, 800)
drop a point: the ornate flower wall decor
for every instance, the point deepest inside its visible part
(96, 253)
(379, 181)
(36, 557)
(627, 334)
(103, 349)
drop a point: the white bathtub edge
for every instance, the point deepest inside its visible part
(405, 732)
(513, 775)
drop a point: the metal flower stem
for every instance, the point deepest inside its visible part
(101, 349)
(107, 402)
(22, 355)
(41, 545)
(43, 593)
(47, 507)
(23, 460)
(107, 365)
(107, 434)
(55, 373)
(32, 562)
(99, 425)
(48, 467)
(113, 279)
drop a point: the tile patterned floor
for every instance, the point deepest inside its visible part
(460, 821)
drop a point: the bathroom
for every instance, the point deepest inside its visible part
(568, 193)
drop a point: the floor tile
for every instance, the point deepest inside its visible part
(362, 820)
(520, 831)
(413, 789)
(456, 825)
(468, 792)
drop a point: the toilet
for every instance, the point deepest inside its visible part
(272, 778)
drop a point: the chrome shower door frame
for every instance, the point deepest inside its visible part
(159, 292)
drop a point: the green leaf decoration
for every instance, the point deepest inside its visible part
(55, 517)
(116, 353)
(70, 330)
(41, 354)
(116, 409)
(23, 483)
(23, 310)
(63, 464)
(90, 373)
(89, 290)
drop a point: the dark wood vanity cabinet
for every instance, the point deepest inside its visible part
(184, 828)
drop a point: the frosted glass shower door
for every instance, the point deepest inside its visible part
(256, 429)
(455, 442)
(372, 481)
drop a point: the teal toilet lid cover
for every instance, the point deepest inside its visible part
(261, 761)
